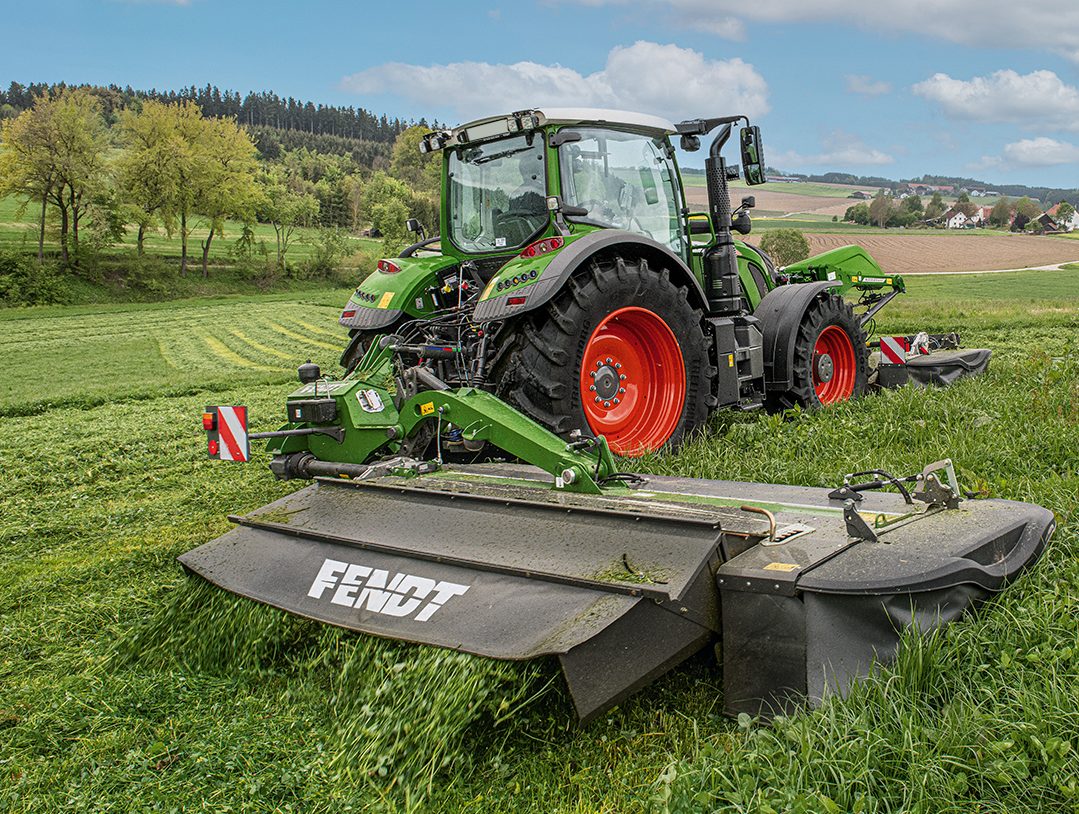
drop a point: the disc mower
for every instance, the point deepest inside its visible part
(570, 317)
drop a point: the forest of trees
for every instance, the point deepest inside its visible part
(95, 167)
(263, 109)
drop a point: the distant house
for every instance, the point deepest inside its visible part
(858, 195)
(1064, 226)
(1046, 224)
(954, 219)
(982, 214)
(784, 179)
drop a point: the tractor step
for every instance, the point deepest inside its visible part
(621, 587)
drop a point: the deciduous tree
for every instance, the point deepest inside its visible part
(935, 208)
(421, 171)
(55, 153)
(785, 246)
(1001, 213)
(286, 209)
(226, 186)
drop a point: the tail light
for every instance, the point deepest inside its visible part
(348, 314)
(388, 267)
(548, 244)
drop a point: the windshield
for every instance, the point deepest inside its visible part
(497, 194)
(625, 181)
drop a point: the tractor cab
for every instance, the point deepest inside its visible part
(510, 181)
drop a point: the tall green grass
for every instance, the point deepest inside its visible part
(113, 697)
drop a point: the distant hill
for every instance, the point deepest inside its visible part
(1044, 195)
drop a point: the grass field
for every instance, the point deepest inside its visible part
(105, 481)
(19, 233)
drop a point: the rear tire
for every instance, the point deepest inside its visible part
(831, 360)
(618, 352)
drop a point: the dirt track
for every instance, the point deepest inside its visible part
(912, 252)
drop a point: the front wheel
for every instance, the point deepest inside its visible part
(619, 352)
(831, 359)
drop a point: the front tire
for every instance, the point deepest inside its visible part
(619, 352)
(831, 359)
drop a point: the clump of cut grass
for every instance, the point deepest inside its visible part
(397, 714)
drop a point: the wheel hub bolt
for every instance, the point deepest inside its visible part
(617, 400)
(609, 360)
(598, 398)
(606, 404)
(592, 387)
(621, 390)
(592, 373)
(617, 365)
(622, 377)
(825, 368)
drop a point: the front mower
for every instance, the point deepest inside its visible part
(619, 576)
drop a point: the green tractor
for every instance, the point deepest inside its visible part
(572, 280)
(574, 285)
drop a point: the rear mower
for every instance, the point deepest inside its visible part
(577, 285)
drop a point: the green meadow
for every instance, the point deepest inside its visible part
(125, 687)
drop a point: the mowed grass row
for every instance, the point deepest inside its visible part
(102, 493)
(89, 356)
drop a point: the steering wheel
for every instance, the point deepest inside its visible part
(603, 210)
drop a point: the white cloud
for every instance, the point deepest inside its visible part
(866, 86)
(992, 23)
(841, 150)
(1030, 152)
(648, 77)
(1041, 152)
(1036, 99)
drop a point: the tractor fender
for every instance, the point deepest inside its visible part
(572, 257)
(780, 313)
(383, 297)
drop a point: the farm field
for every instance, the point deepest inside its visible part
(105, 481)
(899, 253)
(818, 199)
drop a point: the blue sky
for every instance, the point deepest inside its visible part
(987, 89)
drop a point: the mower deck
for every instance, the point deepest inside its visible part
(621, 587)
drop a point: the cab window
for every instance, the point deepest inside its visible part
(625, 181)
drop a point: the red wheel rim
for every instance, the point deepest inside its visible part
(633, 381)
(834, 366)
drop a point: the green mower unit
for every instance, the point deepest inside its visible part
(551, 335)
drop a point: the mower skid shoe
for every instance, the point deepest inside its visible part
(503, 579)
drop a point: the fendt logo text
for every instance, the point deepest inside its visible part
(359, 586)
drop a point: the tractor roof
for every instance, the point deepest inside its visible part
(497, 126)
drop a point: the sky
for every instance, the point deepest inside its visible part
(895, 88)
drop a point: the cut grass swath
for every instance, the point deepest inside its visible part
(398, 714)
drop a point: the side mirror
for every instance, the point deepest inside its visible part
(752, 155)
(749, 202)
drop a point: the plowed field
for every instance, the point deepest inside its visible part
(904, 253)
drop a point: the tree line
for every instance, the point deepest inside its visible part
(265, 109)
(94, 171)
(887, 210)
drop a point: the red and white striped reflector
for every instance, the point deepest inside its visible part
(893, 350)
(228, 440)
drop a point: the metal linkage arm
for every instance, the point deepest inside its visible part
(483, 417)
